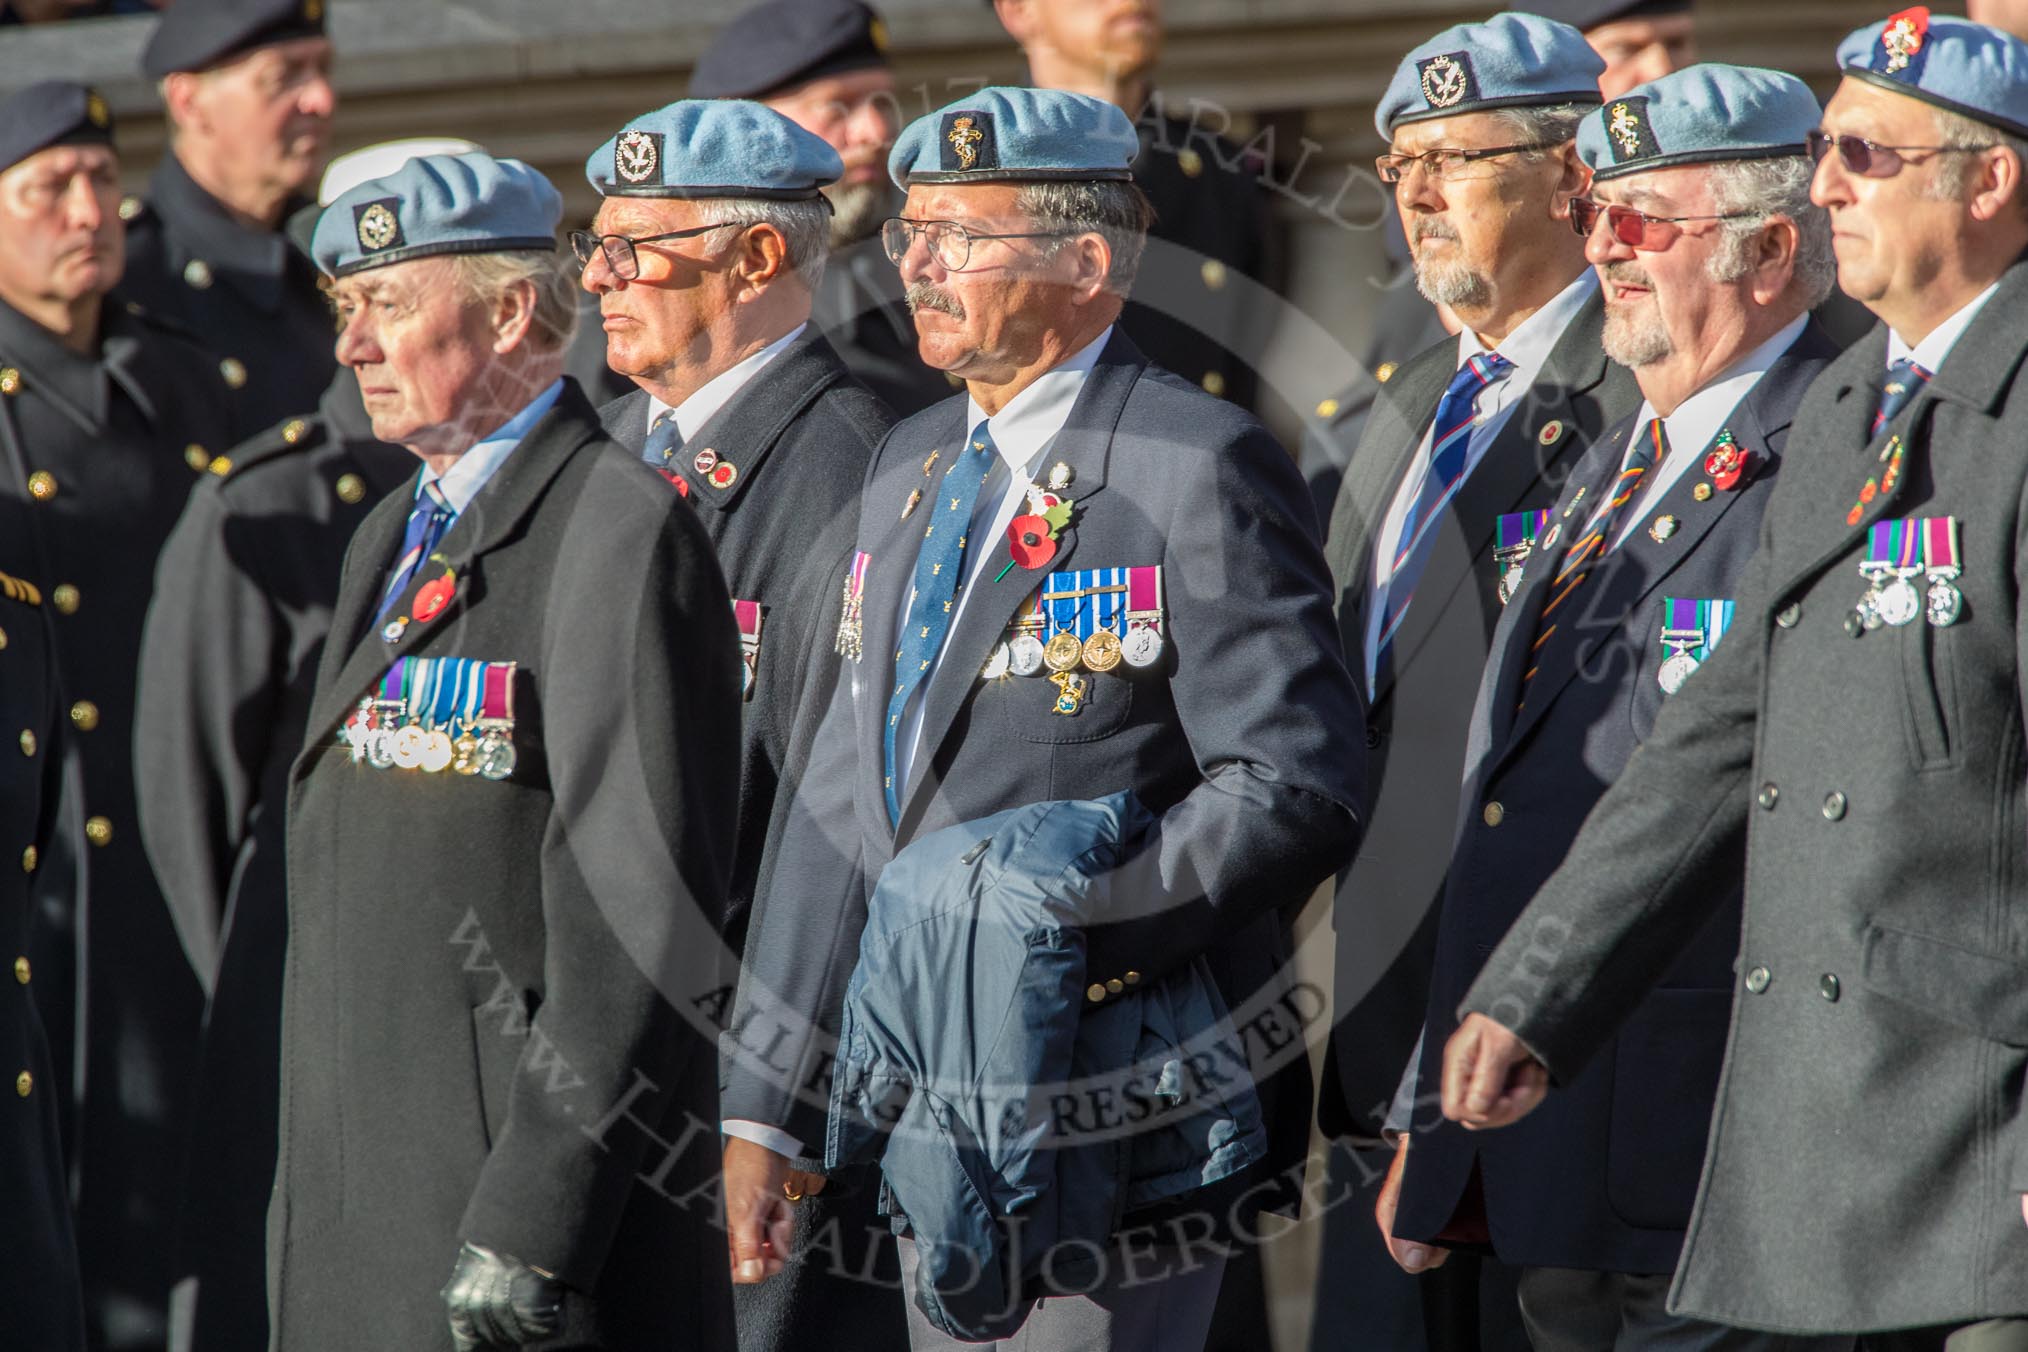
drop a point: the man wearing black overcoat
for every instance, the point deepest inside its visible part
(509, 830)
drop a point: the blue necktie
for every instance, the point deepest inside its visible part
(1449, 449)
(1904, 378)
(939, 571)
(665, 438)
(427, 522)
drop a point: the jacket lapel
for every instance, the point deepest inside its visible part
(743, 432)
(491, 520)
(1084, 444)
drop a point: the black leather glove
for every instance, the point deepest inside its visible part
(500, 1302)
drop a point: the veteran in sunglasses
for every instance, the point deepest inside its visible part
(1853, 754)
(1700, 227)
(509, 822)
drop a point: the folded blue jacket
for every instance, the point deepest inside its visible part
(1016, 1118)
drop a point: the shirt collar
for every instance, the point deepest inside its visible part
(1535, 337)
(470, 471)
(1929, 354)
(715, 393)
(1700, 417)
(1034, 416)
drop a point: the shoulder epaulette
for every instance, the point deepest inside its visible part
(14, 589)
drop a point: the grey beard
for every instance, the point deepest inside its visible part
(1452, 284)
(1632, 343)
(857, 209)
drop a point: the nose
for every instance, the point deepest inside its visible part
(356, 346)
(318, 96)
(1602, 246)
(1418, 189)
(867, 124)
(920, 261)
(1830, 186)
(598, 276)
(81, 203)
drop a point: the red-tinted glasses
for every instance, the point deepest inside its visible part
(1870, 159)
(1636, 229)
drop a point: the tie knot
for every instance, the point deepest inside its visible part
(435, 493)
(1489, 367)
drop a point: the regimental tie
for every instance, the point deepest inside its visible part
(427, 522)
(665, 438)
(939, 569)
(1649, 448)
(1904, 378)
(1449, 458)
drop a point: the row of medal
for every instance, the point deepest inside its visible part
(1897, 553)
(1514, 541)
(1096, 619)
(1690, 632)
(438, 713)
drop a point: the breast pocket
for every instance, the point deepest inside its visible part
(1928, 675)
(1088, 707)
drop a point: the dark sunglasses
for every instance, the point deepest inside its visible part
(1636, 229)
(1870, 159)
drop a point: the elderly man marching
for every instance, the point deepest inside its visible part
(1082, 576)
(507, 829)
(705, 257)
(1856, 744)
(1700, 227)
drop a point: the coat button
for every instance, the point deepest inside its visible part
(42, 485)
(1834, 806)
(99, 830)
(1788, 615)
(1213, 382)
(1757, 980)
(197, 274)
(1494, 814)
(24, 1084)
(3, 638)
(1213, 273)
(1385, 371)
(21, 972)
(1133, 978)
(233, 371)
(351, 489)
(1827, 986)
(10, 381)
(1768, 794)
(1327, 408)
(1373, 739)
(84, 715)
(28, 741)
(1116, 985)
(293, 429)
(65, 598)
(196, 457)
(1854, 625)
(28, 858)
(1095, 992)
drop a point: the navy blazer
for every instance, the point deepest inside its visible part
(1603, 1175)
(1243, 741)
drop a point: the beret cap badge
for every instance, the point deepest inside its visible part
(95, 109)
(964, 138)
(636, 156)
(377, 226)
(1902, 38)
(1445, 80)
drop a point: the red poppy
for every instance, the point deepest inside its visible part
(433, 597)
(1032, 541)
(1867, 493)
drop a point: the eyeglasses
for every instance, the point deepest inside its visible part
(619, 249)
(949, 243)
(1444, 162)
(1637, 229)
(1870, 159)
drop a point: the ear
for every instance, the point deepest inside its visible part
(1774, 258)
(1997, 184)
(1572, 180)
(1090, 259)
(513, 317)
(763, 256)
(1018, 18)
(179, 97)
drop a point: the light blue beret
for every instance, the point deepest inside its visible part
(1509, 61)
(713, 148)
(438, 204)
(1952, 63)
(1699, 115)
(1004, 134)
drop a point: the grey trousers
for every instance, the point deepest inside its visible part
(1171, 1314)
(1572, 1310)
(1990, 1335)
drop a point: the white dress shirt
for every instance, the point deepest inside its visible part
(469, 472)
(1929, 354)
(715, 393)
(1022, 432)
(1528, 348)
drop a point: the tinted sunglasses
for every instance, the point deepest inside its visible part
(1636, 229)
(1870, 159)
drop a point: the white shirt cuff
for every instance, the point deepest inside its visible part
(761, 1134)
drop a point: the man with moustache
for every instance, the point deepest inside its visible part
(1711, 256)
(704, 257)
(1208, 687)
(823, 65)
(1196, 315)
(1853, 750)
(99, 409)
(246, 86)
(1487, 425)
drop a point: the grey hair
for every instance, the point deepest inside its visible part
(1766, 189)
(1959, 132)
(1547, 127)
(806, 226)
(483, 276)
(1117, 211)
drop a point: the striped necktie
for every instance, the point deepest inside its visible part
(1449, 459)
(1904, 378)
(427, 521)
(1650, 448)
(939, 570)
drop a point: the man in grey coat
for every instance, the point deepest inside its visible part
(1856, 744)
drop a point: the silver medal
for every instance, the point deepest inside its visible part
(1898, 603)
(1024, 654)
(997, 663)
(1945, 601)
(496, 756)
(1142, 646)
(1676, 669)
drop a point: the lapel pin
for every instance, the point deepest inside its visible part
(1060, 475)
(1702, 492)
(1662, 529)
(1551, 433)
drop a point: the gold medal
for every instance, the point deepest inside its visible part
(1102, 651)
(1063, 653)
(465, 754)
